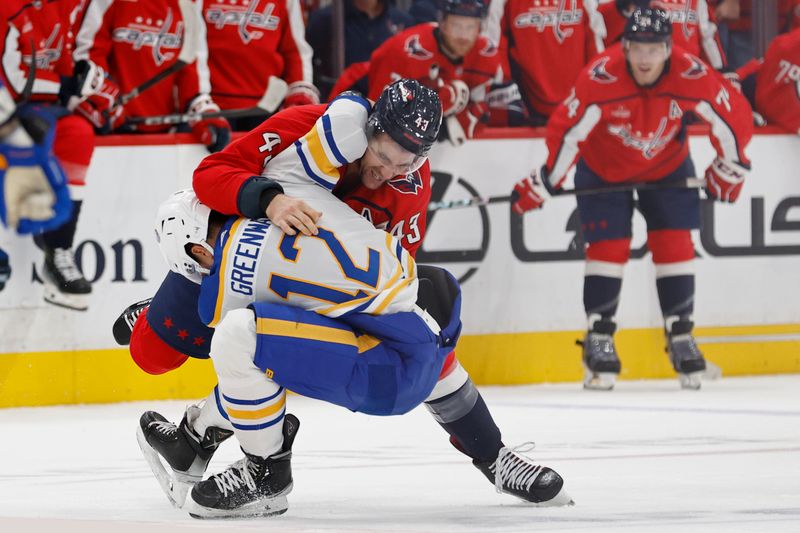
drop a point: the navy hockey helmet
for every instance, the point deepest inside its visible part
(410, 114)
(648, 26)
(465, 8)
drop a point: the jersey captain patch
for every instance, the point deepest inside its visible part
(408, 184)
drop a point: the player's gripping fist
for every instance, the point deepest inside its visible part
(530, 193)
(724, 180)
(90, 93)
(454, 96)
(464, 125)
(301, 93)
(213, 132)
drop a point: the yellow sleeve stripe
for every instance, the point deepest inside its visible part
(313, 143)
(298, 330)
(222, 268)
(259, 413)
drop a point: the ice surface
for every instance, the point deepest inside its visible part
(646, 457)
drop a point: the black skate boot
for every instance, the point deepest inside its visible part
(253, 486)
(187, 454)
(64, 284)
(515, 474)
(5, 269)
(123, 326)
(686, 358)
(600, 362)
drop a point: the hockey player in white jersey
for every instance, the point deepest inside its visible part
(367, 360)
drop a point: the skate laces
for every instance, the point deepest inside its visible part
(684, 347)
(64, 261)
(601, 346)
(168, 429)
(242, 472)
(514, 470)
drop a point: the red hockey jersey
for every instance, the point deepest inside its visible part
(44, 30)
(778, 82)
(547, 43)
(400, 207)
(628, 133)
(693, 27)
(415, 53)
(248, 42)
(133, 41)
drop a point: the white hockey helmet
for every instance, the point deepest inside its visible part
(182, 219)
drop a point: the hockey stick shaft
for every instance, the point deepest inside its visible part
(187, 55)
(476, 201)
(272, 98)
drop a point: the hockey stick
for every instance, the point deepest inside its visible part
(477, 201)
(276, 91)
(187, 54)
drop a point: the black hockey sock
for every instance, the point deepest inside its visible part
(601, 295)
(62, 236)
(676, 295)
(464, 415)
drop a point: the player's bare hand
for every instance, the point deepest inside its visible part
(728, 10)
(292, 215)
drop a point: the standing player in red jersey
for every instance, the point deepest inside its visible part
(777, 82)
(547, 44)
(452, 57)
(247, 43)
(133, 42)
(231, 180)
(624, 119)
(42, 33)
(694, 27)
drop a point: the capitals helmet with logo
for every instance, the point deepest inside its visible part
(410, 114)
(648, 26)
(465, 8)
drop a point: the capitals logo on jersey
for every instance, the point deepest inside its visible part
(649, 145)
(408, 184)
(552, 14)
(414, 49)
(221, 15)
(143, 33)
(685, 16)
(599, 73)
(696, 70)
(49, 51)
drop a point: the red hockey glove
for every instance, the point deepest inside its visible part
(467, 123)
(454, 96)
(724, 180)
(214, 133)
(93, 95)
(301, 93)
(530, 193)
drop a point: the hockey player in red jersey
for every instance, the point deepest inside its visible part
(134, 41)
(42, 33)
(777, 82)
(232, 181)
(694, 27)
(451, 57)
(250, 41)
(547, 44)
(624, 120)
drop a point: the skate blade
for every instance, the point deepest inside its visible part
(598, 380)
(562, 499)
(691, 381)
(712, 371)
(175, 486)
(263, 507)
(76, 302)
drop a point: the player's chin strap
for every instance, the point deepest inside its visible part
(478, 201)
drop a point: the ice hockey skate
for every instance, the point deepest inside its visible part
(123, 325)
(186, 454)
(64, 284)
(516, 474)
(600, 361)
(251, 487)
(687, 360)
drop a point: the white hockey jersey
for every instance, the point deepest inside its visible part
(349, 267)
